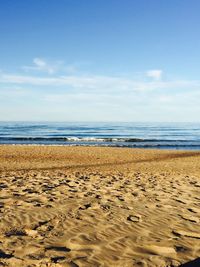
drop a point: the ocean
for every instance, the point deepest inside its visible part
(135, 135)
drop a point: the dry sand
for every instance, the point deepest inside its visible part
(72, 206)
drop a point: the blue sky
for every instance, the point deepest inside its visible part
(100, 60)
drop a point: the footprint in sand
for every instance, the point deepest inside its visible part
(194, 210)
(58, 248)
(120, 198)
(86, 206)
(15, 232)
(185, 233)
(134, 218)
(4, 255)
(57, 253)
(58, 259)
(32, 233)
(181, 249)
(180, 200)
(197, 184)
(158, 250)
(190, 218)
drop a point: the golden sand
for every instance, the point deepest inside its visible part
(73, 206)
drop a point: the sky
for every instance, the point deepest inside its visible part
(100, 60)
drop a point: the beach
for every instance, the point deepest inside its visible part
(98, 206)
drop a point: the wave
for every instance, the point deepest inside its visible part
(71, 139)
(91, 139)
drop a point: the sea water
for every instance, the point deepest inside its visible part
(139, 135)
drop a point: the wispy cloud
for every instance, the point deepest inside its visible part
(155, 74)
(58, 78)
(98, 88)
(40, 64)
(97, 82)
(96, 96)
(52, 67)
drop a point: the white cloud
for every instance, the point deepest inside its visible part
(155, 74)
(40, 64)
(76, 96)
(99, 83)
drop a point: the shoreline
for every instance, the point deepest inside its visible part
(104, 146)
(97, 206)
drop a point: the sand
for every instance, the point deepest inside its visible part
(73, 206)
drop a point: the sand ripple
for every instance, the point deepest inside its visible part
(139, 213)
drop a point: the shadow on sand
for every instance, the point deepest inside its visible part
(194, 263)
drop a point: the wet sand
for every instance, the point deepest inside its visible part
(73, 206)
